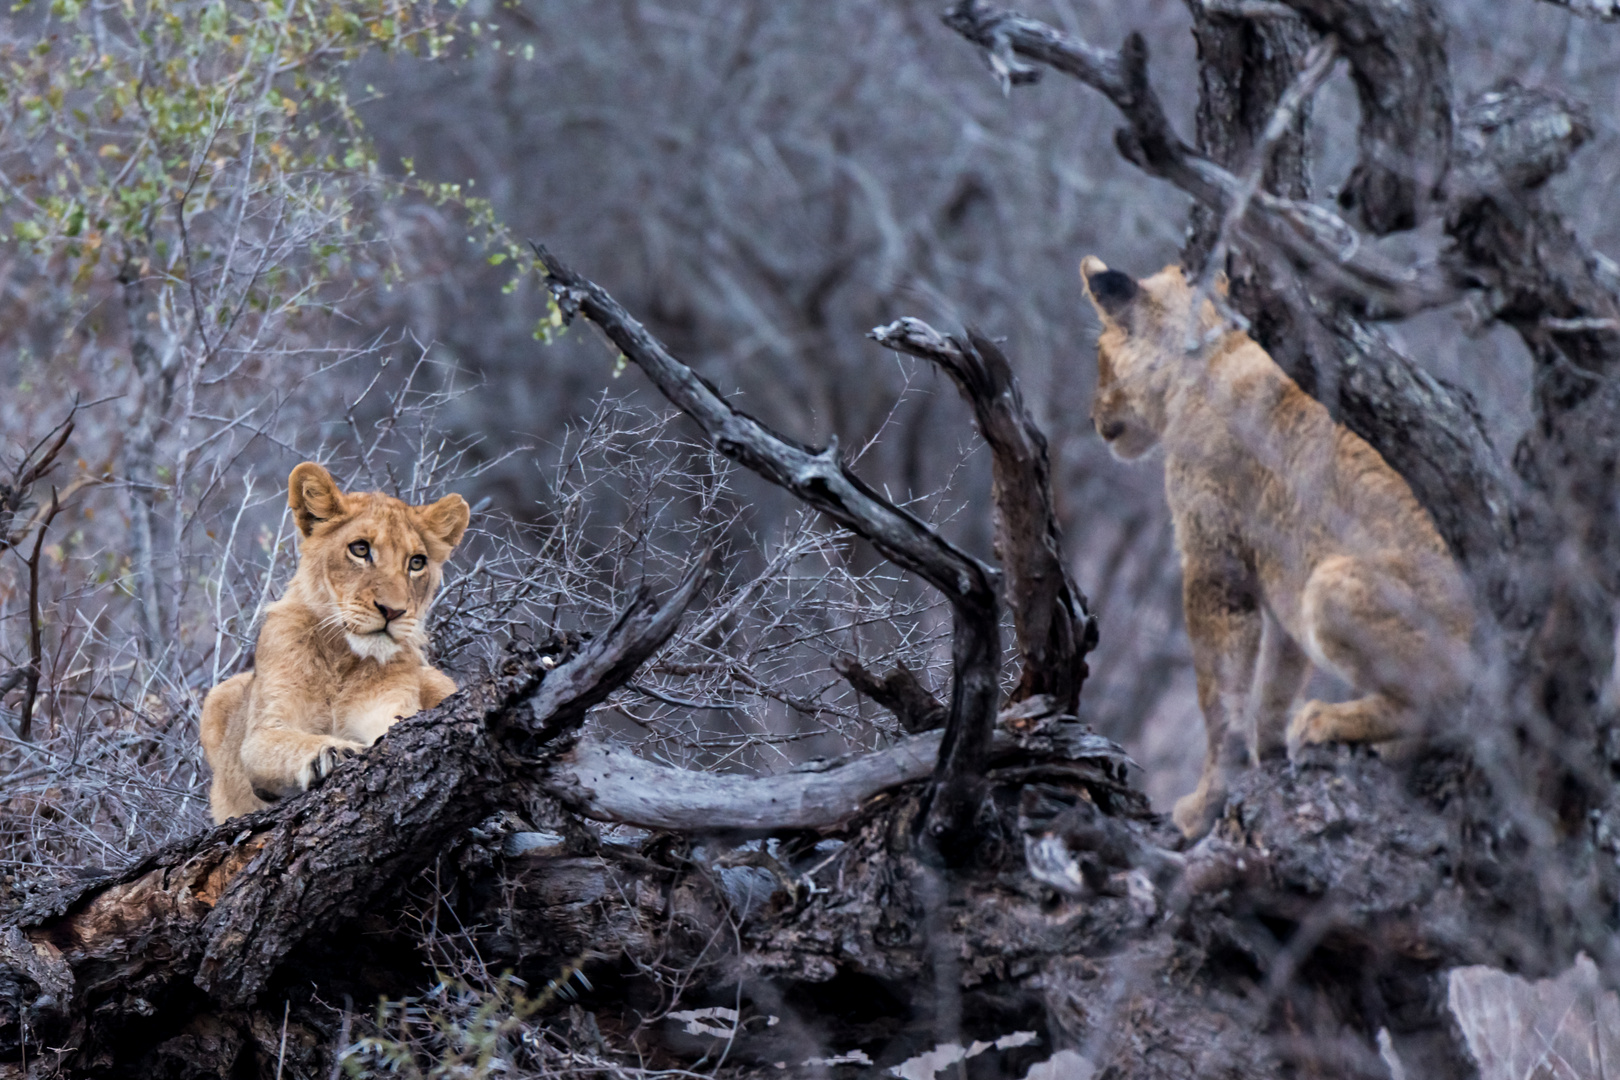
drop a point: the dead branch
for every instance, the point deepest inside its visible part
(1054, 627)
(609, 783)
(36, 652)
(900, 691)
(34, 466)
(821, 479)
(1343, 264)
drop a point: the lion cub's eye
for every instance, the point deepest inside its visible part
(418, 562)
(360, 549)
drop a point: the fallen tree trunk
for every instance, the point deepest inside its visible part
(610, 783)
(113, 968)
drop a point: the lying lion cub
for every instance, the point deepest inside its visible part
(1298, 543)
(339, 658)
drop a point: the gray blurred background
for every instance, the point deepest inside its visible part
(763, 181)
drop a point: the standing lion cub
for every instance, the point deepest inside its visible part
(1299, 544)
(339, 658)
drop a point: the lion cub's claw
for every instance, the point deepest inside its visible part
(328, 758)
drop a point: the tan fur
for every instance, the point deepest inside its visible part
(340, 656)
(1299, 544)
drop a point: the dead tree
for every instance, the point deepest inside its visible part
(995, 876)
(1312, 288)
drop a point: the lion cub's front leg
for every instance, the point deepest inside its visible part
(1222, 603)
(436, 686)
(367, 719)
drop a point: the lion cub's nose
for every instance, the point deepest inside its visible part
(389, 614)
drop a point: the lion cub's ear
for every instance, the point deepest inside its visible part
(444, 521)
(313, 496)
(1109, 291)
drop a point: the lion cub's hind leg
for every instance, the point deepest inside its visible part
(1283, 670)
(230, 793)
(1381, 634)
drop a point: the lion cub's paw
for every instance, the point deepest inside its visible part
(321, 765)
(1195, 813)
(1312, 725)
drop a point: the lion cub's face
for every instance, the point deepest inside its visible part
(1141, 352)
(373, 561)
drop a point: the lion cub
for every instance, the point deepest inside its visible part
(339, 658)
(1299, 544)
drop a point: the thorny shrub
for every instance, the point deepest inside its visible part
(746, 683)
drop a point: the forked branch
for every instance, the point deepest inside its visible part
(1054, 627)
(1343, 264)
(820, 478)
(34, 466)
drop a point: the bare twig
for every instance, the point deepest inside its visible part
(35, 464)
(36, 653)
(1319, 64)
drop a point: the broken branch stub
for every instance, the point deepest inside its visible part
(1053, 623)
(821, 479)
